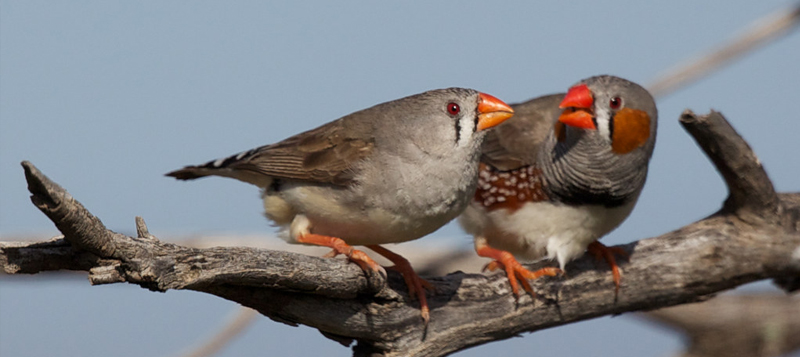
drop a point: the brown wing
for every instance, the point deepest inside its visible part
(514, 143)
(327, 154)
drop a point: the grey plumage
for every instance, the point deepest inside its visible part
(516, 142)
(392, 172)
(387, 174)
(330, 153)
(587, 180)
(583, 169)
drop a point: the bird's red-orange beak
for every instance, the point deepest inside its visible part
(492, 111)
(577, 105)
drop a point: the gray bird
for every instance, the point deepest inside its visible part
(387, 174)
(565, 171)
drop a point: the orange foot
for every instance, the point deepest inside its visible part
(416, 285)
(340, 247)
(514, 269)
(600, 251)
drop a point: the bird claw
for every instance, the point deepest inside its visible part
(331, 254)
(517, 274)
(416, 284)
(340, 247)
(601, 252)
(365, 262)
(525, 275)
(492, 266)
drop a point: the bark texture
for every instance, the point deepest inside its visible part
(753, 237)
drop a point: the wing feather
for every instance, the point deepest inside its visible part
(514, 143)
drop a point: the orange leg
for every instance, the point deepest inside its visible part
(600, 251)
(340, 247)
(512, 267)
(415, 283)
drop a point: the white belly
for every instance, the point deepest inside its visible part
(310, 209)
(398, 197)
(544, 229)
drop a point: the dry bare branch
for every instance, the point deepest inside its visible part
(758, 325)
(753, 237)
(242, 319)
(762, 31)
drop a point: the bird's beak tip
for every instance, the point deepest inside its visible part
(492, 111)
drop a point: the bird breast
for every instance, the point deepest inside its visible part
(539, 229)
(394, 199)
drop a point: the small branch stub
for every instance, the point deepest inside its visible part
(751, 193)
(752, 238)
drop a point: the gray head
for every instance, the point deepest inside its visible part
(432, 124)
(435, 122)
(598, 151)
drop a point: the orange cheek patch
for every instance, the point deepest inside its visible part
(631, 130)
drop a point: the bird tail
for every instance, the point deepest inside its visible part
(219, 167)
(191, 173)
(225, 167)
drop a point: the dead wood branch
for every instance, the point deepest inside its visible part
(238, 323)
(753, 237)
(742, 325)
(763, 31)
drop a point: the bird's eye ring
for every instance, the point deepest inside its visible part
(453, 108)
(615, 103)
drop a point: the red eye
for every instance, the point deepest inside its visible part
(615, 102)
(453, 108)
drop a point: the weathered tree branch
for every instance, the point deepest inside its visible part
(761, 325)
(211, 346)
(753, 237)
(751, 194)
(759, 33)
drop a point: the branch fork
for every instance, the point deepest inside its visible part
(754, 236)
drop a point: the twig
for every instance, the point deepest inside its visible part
(750, 190)
(239, 322)
(763, 31)
(743, 325)
(690, 264)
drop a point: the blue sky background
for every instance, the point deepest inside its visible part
(105, 97)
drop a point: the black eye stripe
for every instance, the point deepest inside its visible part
(611, 126)
(458, 130)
